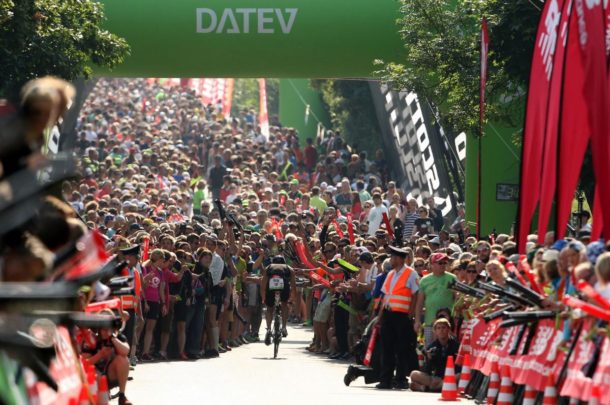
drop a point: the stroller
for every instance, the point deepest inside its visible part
(371, 373)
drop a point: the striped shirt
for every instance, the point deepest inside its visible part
(409, 227)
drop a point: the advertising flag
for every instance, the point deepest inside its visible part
(227, 102)
(585, 107)
(551, 134)
(543, 63)
(263, 117)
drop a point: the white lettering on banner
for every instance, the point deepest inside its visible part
(262, 20)
(553, 350)
(267, 19)
(213, 20)
(460, 145)
(548, 39)
(227, 14)
(245, 18)
(582, 24)
(542, 338)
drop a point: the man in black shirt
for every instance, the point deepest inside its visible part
(445, 345)
(217, 174)
(423, 225)
(436, 215)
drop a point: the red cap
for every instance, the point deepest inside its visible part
(437, 257)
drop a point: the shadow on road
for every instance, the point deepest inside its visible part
(268, 358)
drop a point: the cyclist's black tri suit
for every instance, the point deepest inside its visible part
(277, 275)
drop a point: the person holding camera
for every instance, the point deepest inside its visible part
(111, 360)
(430, 379)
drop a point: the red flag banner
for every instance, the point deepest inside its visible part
(145, 249)
(592, 34)
(319, 279)
(602, 373)
(263, 117)
(64, 369)
(388, 226)
(551, 133)
(350, 228)
(488, 343)
(585, 107)
(577, 384)
(541, 359)
(371, 346)
(227, 101)
(338, 229)
(543, 63)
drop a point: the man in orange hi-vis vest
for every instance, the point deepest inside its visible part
(398, 339)
(131, 303)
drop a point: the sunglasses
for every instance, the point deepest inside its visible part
(472, 271)
(442, 263)
(419, 266)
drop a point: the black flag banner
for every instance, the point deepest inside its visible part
(426, 160)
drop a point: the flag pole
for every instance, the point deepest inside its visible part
(484, 50)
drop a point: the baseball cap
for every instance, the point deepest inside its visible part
(437, 257)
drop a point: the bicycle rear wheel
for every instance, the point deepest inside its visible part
(277, 326)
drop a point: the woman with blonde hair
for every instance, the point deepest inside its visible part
(497, 272)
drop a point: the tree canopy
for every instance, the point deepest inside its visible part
(442, 41)
(63, 38)
(352, 112)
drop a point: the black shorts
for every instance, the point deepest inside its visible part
(270, 296)
(180, 311)
(217, 296)
(154, 310)
(167, 320)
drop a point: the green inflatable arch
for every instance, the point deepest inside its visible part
(289, 39)
(254, 38)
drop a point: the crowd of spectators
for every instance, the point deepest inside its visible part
(199, 204)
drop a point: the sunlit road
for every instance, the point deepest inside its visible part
(249, 375)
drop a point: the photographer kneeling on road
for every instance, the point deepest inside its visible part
(111, 359)
(443, 346)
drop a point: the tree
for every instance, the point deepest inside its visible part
(442, 61)
(63, 38)
(246, 95)
(351, 109)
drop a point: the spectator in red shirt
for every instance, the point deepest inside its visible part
(311, 155)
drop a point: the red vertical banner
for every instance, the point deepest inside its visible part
(551, 133)
(483, 82)
(263, 117)
(350, 228)
(145, 249)
(585, 109)
(228, 97)
(543, 63)
(593, 50)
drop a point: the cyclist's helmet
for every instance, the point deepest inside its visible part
(278, 260)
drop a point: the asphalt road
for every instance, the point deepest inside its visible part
(249, 375)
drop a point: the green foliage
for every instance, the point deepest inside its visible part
(442, 40)
(352, 111)
(246, 95)
(63, 38)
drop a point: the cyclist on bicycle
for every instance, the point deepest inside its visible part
(278, 273)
